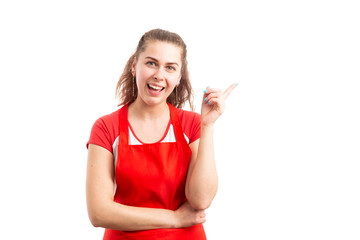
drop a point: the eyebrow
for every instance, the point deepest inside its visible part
(154, 59)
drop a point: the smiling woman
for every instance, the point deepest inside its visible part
(158, 157)
(127, 89)
(156, 71)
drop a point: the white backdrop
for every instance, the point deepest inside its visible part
(287, 146)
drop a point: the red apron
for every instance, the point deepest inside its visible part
(153, 175)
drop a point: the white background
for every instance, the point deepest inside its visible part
(287, 146)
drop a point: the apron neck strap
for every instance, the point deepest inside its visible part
(179, 135)
(124, 125)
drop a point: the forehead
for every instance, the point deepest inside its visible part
(162, 51)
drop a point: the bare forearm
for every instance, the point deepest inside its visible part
(127, 218)
(203, 182)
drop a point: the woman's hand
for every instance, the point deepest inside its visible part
(186, 216)
(214, 104)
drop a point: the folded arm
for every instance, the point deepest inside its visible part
(104, 212)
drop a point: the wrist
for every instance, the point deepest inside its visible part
(209, 126)
(174, 223)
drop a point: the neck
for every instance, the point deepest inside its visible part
(145, 111)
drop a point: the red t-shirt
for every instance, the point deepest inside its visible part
(105, 131)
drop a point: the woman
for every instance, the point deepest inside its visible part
(150, 151)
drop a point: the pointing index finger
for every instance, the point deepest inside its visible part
(229, 90)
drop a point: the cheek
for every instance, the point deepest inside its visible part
(172, 81)
(143, 74)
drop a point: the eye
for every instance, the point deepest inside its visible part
(151, 63)
(171, 68)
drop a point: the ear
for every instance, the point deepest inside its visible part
(133, 67)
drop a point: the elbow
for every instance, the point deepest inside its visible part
(96, 217)
(200, 204)
(95, 220)
(198, 201)
(95, 223)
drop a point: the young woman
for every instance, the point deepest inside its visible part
(151, 169)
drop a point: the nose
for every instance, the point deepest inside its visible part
(159, 74)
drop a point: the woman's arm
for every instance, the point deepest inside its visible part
(104, 212)
(202, 180)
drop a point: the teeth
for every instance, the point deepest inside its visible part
(155, 87)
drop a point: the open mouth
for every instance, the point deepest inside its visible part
(155, 88)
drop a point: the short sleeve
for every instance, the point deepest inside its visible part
(100, 135)
(191, 124)
(195, 128)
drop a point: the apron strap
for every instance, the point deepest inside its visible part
(123, 125)
(179, 134)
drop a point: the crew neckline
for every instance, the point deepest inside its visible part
(144, 143)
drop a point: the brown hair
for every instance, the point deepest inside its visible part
(126, 89)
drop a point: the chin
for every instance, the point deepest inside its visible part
(153, 101)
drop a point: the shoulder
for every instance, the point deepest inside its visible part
(188, 116)
(105, 130)
(108, 122)
(191, 124)
(109, 119)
